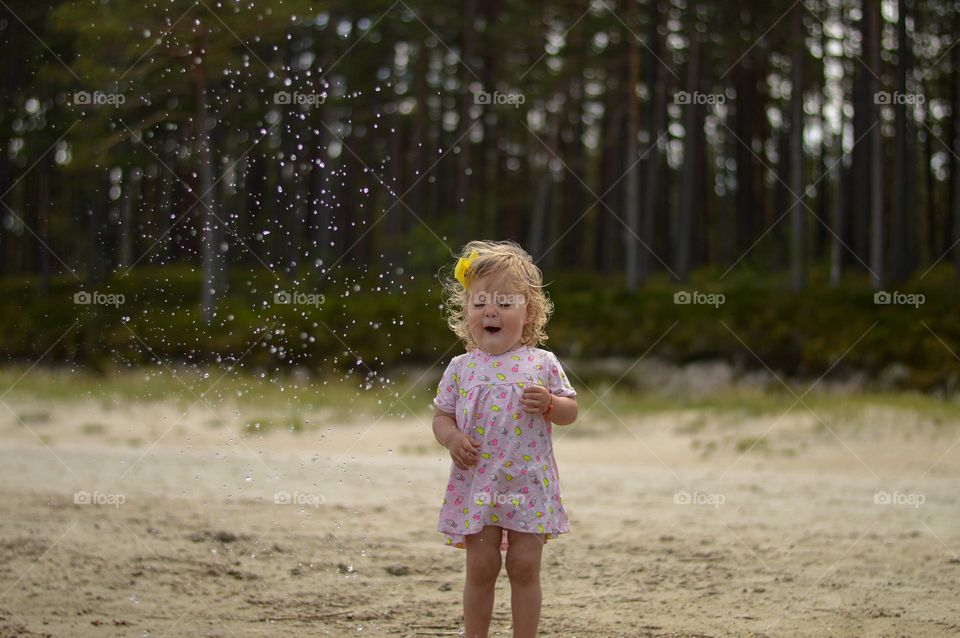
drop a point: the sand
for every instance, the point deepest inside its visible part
(677, 527)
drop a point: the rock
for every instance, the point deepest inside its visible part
(398, 570)
(225, 537)
(893, 376)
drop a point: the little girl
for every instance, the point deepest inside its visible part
(495, 407)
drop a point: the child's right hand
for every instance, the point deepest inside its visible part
(464, 451)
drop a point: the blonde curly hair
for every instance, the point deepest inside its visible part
(494, 257)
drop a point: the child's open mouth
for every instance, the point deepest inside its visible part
(492, 329)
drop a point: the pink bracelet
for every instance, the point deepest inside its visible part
(549, 407)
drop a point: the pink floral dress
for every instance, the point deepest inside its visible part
(515, 483)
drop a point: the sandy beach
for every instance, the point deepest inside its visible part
(142, 519)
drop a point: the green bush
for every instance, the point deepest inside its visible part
(385, 325)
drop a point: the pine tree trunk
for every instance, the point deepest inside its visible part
(209, 225)
(684, 231)
(656, 117)
(898, 222)
(468, 40)
(131, 184)
(632, 195)
(862, 119)
(539, 228)
(876, 151)
(954, 176)
(798, 210)
(43, 225)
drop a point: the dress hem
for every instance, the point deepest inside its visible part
(448, 540)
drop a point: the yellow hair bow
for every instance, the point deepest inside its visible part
(463, 265)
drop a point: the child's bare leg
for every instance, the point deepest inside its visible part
(523, 568)
(483, 567)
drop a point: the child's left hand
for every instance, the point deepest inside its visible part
(535, 399)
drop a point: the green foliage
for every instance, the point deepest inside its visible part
(158, 56)
(365, 327)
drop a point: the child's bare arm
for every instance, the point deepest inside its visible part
(444, 427)
(565, 410)
(463, 449)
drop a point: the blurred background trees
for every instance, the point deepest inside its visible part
(815, 143)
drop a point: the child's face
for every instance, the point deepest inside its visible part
(496, 313)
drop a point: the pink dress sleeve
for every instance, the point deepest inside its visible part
(448, 389)
(557, 381)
